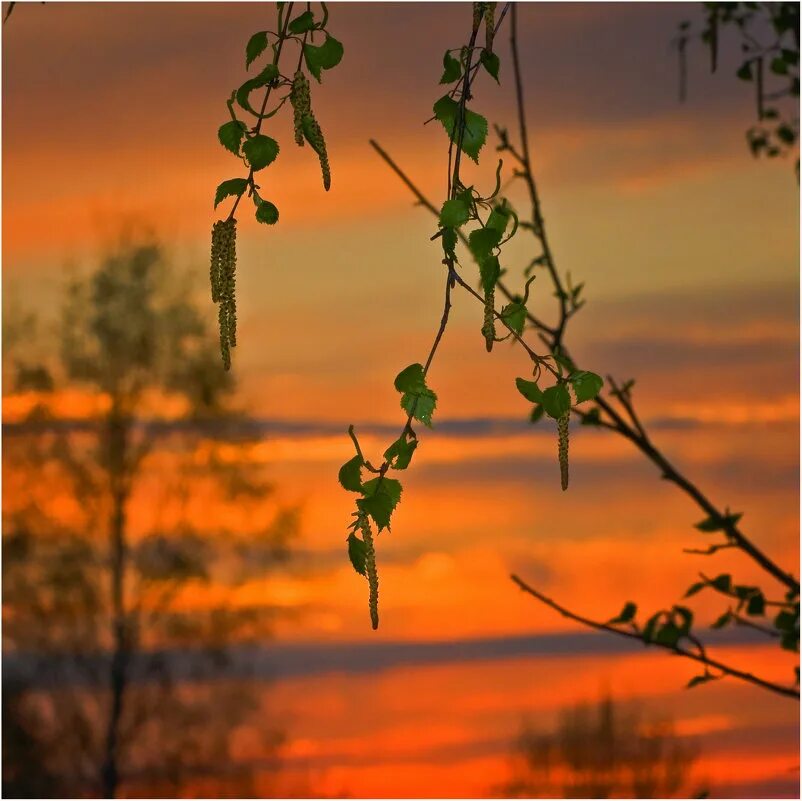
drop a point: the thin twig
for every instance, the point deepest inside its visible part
(427, 204)
(633, 429)
(619, 425)
(258, 128)
(526, 162)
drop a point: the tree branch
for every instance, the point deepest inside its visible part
(780, 689)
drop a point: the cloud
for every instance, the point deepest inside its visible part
(300, 660)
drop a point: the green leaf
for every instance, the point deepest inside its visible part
(499, 219)
(701, 679)
(529, 389)
(255, 47)
(466, 196)
(744, 591)
(785, 620)
(562, 358)
(357, 552)
(489, 270)
(778, 66)
(452, 69)
(556, 401)
(454, 213)
(668, 635)
(591, 418)
(718, 523)
(420, 405)
(260, 150)
(687, 618)
(230, 135)
(350, 474)
(482, 241)
(694, 588)
(302, 23)
(325, 57)
(267, 213)
(723, 583)
(234, 186)
(756, 604)
(514, 314)
(266, 76)
(786, 134)
(648, 629)
(790, 641)
(383, 485)
(446, 110)
(449, 239)
(627, 613)
(536, 414)
(401, 451)
(745, 71)
(490, 62)
(411, 379)
(722, 621)
(379, 508)
(586, 385)
(382, 495)
(417, 399)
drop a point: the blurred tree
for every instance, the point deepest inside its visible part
(602, 752)
(132, 517)
(768, 38)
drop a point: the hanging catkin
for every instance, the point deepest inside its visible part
(490, 25)
(478, 13)
(314, 135)
(223, 275)
(370, 570)
(306, 125)
(562, 447)
(489, 325)
(301, 101)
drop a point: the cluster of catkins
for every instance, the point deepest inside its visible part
(222, 276)
(306, 126)
(486, 11)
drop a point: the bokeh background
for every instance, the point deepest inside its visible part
(688, 248)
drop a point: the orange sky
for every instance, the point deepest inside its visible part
(689, 250)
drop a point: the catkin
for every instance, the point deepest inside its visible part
(478, 13)
(314, 135)
(223, 275)
(301, 101)
(489, 325)
(305, 125)
(370, 571)
(490, 25)
(562, 446)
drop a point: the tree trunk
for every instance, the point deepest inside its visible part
(117, 445)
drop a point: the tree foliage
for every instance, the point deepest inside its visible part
(109, 529)
(767, 35)
(602, 751)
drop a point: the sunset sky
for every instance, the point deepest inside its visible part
(688, 248)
